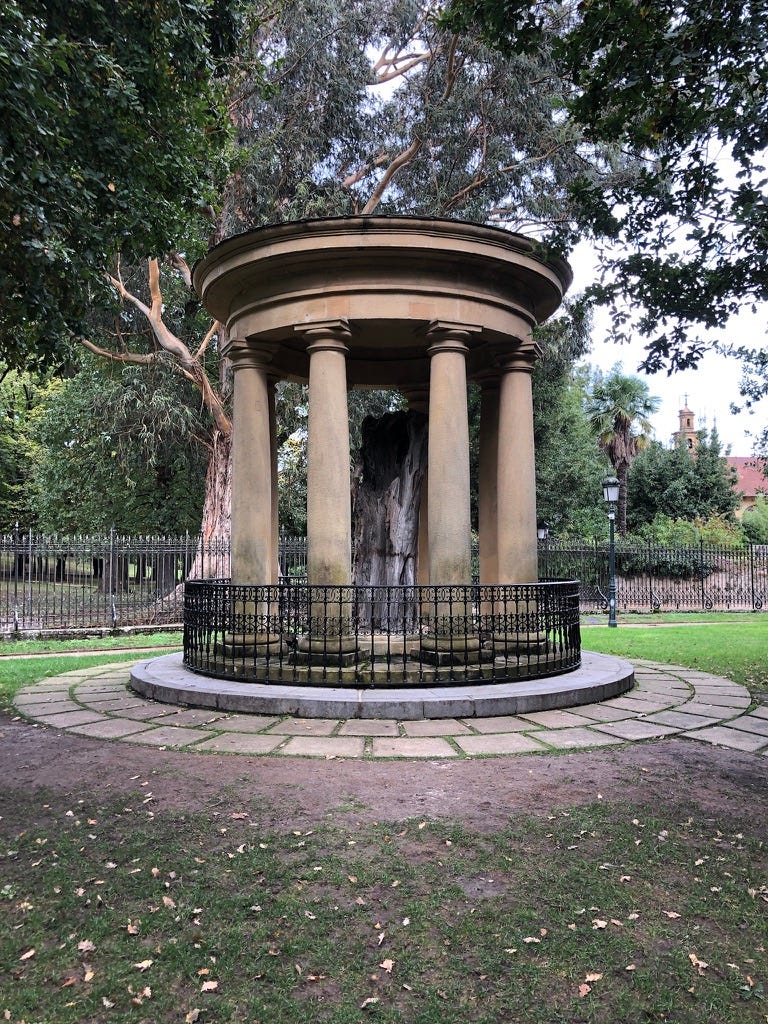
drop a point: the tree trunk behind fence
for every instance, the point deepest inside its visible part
(217, 511)
(387, 495)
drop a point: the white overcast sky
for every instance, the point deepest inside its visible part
(710, 388)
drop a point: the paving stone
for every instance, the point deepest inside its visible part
(241, 743)
(53, 707)
(499, 743)
(750, 723)
(110, 728)
(324, 746)
(501, 723)
(694, 707)
(245, 723)
(369, 727)
(436, 727)
(567, 739)
(555, 719)
(147, 710)
(633, 729)
(193, 716)
(408, 746)
(725, 700)
(680, 720)
(601, 713)
(170, 736)
(66, 721)
(119, 704)
(305, 727)
(636, 705)
(736, 739)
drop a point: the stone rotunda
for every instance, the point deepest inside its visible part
(424, 306)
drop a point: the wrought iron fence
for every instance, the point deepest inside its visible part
(296, 633)
(111, 581)
(651, 578)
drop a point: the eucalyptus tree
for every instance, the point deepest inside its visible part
(618, 408)
(365, 107)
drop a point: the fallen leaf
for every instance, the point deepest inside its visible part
(631, 967)
(597, 923)
(192, 1016)
(88, 974)
(168, 902)
(144, 965)
(700, 965)
(209, 986)
(28, 955)
(107, 1002)
(239, 815)
(86, 946)
(584, 990)
(671, 914)
(369, 1002)
(382, 936)
(593, 977)
(387, 965)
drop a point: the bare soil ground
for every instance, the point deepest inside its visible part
(290, 792)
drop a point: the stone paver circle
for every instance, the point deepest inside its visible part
(666, 701)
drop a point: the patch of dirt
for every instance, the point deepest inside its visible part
(296, 792)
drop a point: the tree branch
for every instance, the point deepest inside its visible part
(399, 161)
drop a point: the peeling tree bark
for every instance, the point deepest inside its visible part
(385, 511)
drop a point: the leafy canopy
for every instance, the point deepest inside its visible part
(683, 86)
(112, 139)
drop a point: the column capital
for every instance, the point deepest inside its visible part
(255, 355)
(325, 335)
(520, 360)
(449, 336)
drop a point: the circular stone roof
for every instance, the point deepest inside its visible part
(388, 280)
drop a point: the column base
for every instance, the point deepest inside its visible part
(438, 650)
(327, 650)
(257, 645)
(502, 644)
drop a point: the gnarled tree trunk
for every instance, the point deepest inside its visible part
(387, 495)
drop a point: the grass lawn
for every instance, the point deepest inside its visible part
(596, 914)
(737, 650)
(115, 912)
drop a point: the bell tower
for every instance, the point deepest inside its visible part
(686, 432)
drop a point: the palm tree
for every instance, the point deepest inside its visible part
(618, 410)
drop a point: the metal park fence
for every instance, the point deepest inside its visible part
(110, 581)
(652, 578)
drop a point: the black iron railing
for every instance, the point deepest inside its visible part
(298, 634)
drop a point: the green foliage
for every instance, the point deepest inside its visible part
(755, 521)
(680, 484)
(684, 87)
(21, 398)
(715, 529)
(569, 465)
(113, 139)
(119, 447)
(618, 408)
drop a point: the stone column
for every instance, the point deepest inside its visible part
(329, 513)
(450, 540)
(516, 477)
(517, 625)
(251, 465)
(273, 474)
(487, 502)
(255, 620)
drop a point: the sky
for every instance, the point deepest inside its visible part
(708, 390)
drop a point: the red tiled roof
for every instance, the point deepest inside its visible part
(751, 474)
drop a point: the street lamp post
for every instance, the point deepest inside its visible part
(611, 496)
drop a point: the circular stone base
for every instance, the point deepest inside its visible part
(599, 678)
